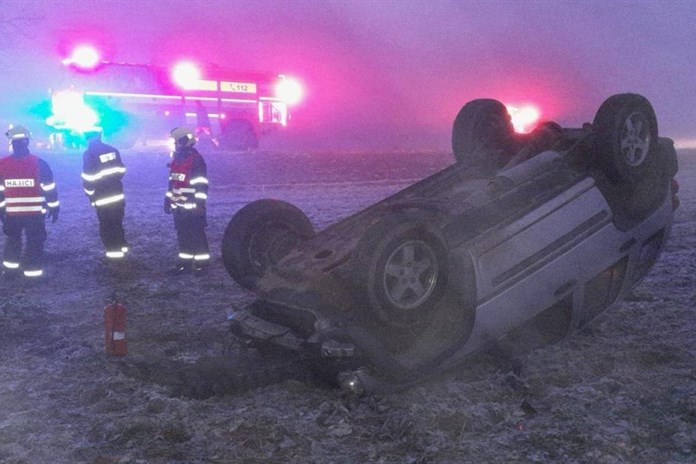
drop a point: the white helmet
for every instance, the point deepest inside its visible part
(183, 136)
(18, 132)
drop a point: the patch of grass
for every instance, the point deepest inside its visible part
(451, 424)
(176, 433)
(664, 355)
(165, 294)
(137, 431)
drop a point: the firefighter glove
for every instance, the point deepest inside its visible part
(53, 213)
(167, 206)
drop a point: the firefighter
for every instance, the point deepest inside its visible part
(186, 201)
(102, 171)
(28, 195)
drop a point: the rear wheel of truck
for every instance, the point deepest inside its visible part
(483, 136)
(239, 135)
(259, 235)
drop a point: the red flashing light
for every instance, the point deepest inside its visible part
(524, 118)
(185, 74)
(289, 90)
(83, 57)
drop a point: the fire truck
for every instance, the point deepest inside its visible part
(134, 103)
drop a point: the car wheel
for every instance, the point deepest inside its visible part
(239, 135)
(482, 135)
(635, 162)
(626, 136)
(402, 267)
(259, 235)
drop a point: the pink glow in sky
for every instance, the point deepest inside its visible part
(392, 73)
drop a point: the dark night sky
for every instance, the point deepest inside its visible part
(387, 74)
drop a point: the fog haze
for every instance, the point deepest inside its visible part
(385, 74)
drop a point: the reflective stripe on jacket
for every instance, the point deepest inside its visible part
(188, 181)
(102, 171)
(26, 186)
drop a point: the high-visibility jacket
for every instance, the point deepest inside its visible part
(102, 171)
(188, 182)
(27, 187)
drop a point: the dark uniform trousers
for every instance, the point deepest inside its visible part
(190, 232)
(111, 226)
(34, 228)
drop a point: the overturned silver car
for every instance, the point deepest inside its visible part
(544, 230)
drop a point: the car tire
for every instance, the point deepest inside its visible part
(259, 235)
(634, 162)
(625, 128)
(483, 136)
(402, 268)
(239, 135)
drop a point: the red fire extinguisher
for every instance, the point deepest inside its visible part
(115, 329)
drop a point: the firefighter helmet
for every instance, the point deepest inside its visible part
(183, 136)
(18, 132)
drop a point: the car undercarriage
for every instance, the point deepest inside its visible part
(543, 231)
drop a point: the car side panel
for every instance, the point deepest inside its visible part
(510, 294)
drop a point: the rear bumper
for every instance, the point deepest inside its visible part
(321, 345)
(244, 324)
(357, 361)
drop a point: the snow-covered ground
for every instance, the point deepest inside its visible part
(621, 390)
